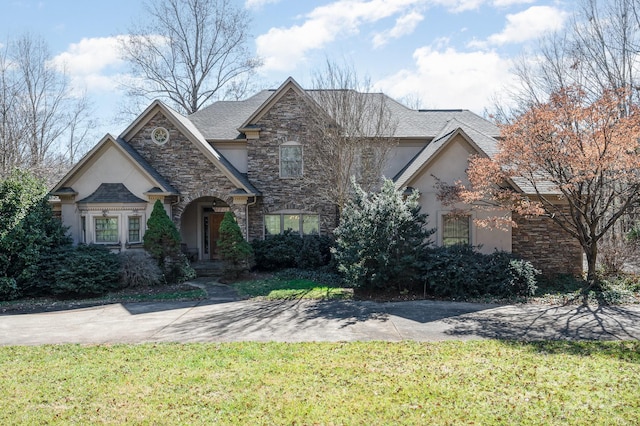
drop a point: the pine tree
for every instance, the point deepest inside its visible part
(162, 239)
(234, 250)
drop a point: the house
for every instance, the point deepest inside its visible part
(247, 157)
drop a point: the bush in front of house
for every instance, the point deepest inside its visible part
(28, 233)
(161, 239)
(139, 269)
(234, 250)
(380, 237)
(277, 252)
(290, 250)
(8, 288)
(83, 270)
(315, 252)
(459, 271)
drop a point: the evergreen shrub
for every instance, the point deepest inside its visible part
(459, 271)
(380, 238)
(290, 250)
(162, 241)
(8, 289)
(83, 270)
(28, 233)
(234, 250)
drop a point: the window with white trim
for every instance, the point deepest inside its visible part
(106, 230)
(83, 229)
(290, 160)
(456, 229)
(134, 229)
(298, 223)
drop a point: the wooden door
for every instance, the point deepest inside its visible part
(214, 233)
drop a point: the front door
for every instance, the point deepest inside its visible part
(214, 233)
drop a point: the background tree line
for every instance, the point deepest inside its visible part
(44, 126)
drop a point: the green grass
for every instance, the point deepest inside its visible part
(477, 382)
(286, 287)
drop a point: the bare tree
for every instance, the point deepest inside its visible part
(352, 134)
(598, 51)
(37, 111)
(189, 52)
(12, 154)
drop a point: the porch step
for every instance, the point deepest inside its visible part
(208, 268)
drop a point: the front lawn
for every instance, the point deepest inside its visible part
(476, 382)
(294, 284)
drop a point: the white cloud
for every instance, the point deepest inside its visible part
(451, 79)
(283, 48)
(406, 24)
(457, 6)
(257, 4)
(93, 64)
(527, 25)
(507, 3)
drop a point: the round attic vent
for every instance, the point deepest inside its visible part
(160, 135)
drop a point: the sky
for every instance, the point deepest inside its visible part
(431, 53)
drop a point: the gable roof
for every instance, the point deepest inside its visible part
(188, 129)
(224, 120)
(128, 151)
(429, 152)
(289, 84)
(112, 193)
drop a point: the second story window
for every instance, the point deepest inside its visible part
(290, 160)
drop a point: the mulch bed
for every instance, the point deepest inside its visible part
(51, 304)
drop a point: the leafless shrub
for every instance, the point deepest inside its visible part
(139, 269)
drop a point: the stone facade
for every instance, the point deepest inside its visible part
(284, 122)
(186, 167)
(541, 241)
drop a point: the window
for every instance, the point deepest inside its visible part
(83, 229)
(310, 224)
(134, 229)
(455, 230)
(106, 230)
(298, 223)
(290, 160)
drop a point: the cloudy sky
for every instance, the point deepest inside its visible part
(444, 53)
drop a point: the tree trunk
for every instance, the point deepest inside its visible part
(591, 251)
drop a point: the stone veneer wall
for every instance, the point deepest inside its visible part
(285, 121)
(546, 245)
(186, 167)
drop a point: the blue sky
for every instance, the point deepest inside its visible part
(446, 53)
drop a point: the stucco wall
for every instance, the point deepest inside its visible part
(109, 165)
(449, 166)
(401, 154)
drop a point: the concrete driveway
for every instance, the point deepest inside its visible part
(225, 320)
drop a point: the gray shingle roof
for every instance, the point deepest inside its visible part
(112, 193)
(220, 120)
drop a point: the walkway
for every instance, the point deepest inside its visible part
(223, 318)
